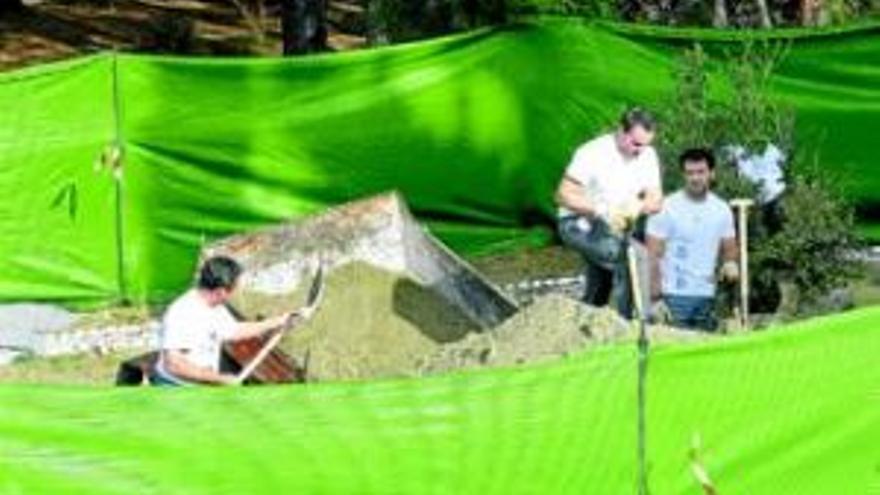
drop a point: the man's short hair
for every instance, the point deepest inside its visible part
(637, 116)
(697, 155)
(219, 272)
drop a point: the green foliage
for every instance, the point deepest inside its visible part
(814, 248)
(597, 9)
(404, 20)
(738, 13)
(719, 103)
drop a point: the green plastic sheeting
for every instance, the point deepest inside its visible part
(793, 410)
(830, 77)
(455, 125)
(474, 130)
(57, 213)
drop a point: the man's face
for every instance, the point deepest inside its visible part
(222, 294)
(633, 141)
(697, 176)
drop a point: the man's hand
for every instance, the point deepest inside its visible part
(295, 317)
(729, 272)
(621, 218)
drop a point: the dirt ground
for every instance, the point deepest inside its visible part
(55, 30)
(80, 369)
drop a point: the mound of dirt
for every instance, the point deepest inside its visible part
(377, 324)
(552, 327)
(372, 324)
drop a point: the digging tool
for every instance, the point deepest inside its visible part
(741, 205)
(636, 293)
(313, 300)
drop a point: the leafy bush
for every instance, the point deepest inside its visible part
(811, 244)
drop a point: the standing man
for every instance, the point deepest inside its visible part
(685, 240)
(197, 324)
(611, 181)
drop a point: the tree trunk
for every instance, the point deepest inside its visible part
(719, 19)
(807, 18)
(765, 14)
(303, 26)
(814, 13)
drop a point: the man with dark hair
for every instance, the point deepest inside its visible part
(197, 323)
(610, 182)
(685, 240)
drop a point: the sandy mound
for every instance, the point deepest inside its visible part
(377, 324)
(371, 324)
(552, 327)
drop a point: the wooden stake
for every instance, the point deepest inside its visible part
(741, 205)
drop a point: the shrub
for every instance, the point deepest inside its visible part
(812, 244)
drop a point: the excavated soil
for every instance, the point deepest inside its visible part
(551, 328)
(371, 324)
(376, 324)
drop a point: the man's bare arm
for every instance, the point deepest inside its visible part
(729, 249)
(570, 194)
(181, 367)
(250, 329)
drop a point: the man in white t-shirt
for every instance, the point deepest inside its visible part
(197, 324)
(611, 181)
(685, 240)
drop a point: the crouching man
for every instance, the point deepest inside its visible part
(684, 241)
(197, 324)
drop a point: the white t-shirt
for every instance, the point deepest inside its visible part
(693, 231)
(610, 179)
(191, 325)
(763, 169)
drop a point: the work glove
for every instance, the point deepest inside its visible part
(621, 218)
(729, 272)
(660, 313)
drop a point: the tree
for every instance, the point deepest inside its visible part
(303, 26)
(719, 18)
(764, 14)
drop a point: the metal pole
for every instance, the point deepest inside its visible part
(636, 293)
(116, 163)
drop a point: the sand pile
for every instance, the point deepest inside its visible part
(552, 327)
(372, 324)
(377, 324)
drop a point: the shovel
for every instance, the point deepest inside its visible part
(313, 300)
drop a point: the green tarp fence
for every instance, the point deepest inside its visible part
(794, 410)
(474, 130)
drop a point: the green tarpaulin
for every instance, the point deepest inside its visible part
(474, 130)
(793, 410)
